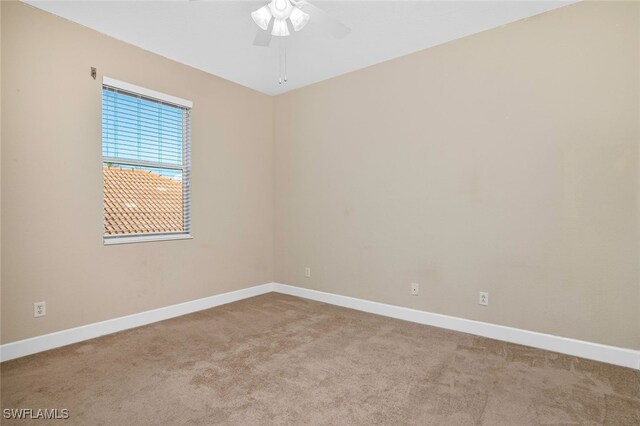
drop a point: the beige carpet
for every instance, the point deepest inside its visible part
(277, 359)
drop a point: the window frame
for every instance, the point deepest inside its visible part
(185, 167)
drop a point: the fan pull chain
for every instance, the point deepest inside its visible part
(282, 62)
(279, 60)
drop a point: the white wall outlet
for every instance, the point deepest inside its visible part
(39, 309)
(415, 289)
(484, 298)
(307, 272)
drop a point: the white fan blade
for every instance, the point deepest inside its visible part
(330, 24)
(263, 38)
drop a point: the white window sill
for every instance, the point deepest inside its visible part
(107, 241)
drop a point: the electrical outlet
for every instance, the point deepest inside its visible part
(307, 272)
(39, 309)
(484, 298)
(415, 289)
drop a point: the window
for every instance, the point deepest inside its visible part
(145, 163)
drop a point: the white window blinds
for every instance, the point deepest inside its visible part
(146, 164)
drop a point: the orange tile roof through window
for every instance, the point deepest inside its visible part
(140, 201)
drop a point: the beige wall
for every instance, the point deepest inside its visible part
(638, 168)
(507, 162)
(0, 172)
(52, 182)
(504, 162)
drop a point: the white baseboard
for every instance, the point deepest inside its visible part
(594, 351)
(78, 334)
(609, 354)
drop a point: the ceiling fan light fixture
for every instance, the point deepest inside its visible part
(298, 19)
(280, 28)
(280, 9)
(262, 17)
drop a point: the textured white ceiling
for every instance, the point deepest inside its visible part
(217, 36)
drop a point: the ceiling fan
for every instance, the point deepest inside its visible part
(282, 17)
